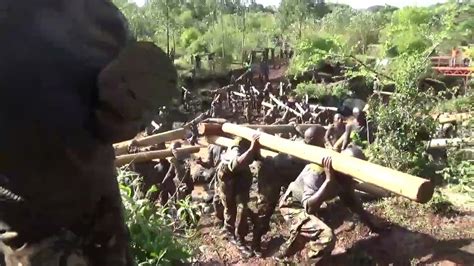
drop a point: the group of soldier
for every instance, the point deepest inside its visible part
(298, 188)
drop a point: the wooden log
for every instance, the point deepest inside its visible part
(206, 129)
(412, 187)
(226, 142)
(152, 155)
(288, 128)
(274, 129)
(443, 143)
(280, 103)
(222, 89)
(300, 108)
(255, 90)
(451, 118)
(322, 108)
(269, 105)
(122, 147)
(215, 120)
(239, 94)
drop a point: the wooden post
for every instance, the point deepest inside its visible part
(152, 155)
(323, 108)
(122, 147)
(239, 94)
(300, 108)
(283, 105)
(269, 105)
(412, 187)
(206, 129)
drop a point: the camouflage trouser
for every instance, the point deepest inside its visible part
(305, 231)
(216, 200)
(61, 250)
(271, 179)
(233, 193)
(269, 194)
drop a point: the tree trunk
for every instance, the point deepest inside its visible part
(167, 31)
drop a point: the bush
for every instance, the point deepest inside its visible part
(318, 91)
(153, 231)
(189, 36)
(405, 122)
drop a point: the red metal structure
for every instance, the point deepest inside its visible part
(441, 64)
(456, 71)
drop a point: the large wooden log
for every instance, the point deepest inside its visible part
(226, 142)
(451, 118)
(412, 187)
(274, 129)
(365, 187)
(208, 129)
(152, 155)
(443, 143)
(122, 147)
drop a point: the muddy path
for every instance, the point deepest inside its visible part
(416, 237)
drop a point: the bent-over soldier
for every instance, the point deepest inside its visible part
(304, 197)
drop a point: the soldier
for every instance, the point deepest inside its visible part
(335, 131)
(152, 172)
(178, 181)
(360, 126)
(216, 106)
(69, 74)
(304, 197)
(214, 157)
(273, 174)
(234, 181)
(270, 116)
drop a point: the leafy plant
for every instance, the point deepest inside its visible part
(154, 239)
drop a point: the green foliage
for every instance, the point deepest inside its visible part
(439, 204)
(154, 231)
(318, 91)
(457, 104)
(459, 172)
(189, 36)
(311, 52)
(405, 122)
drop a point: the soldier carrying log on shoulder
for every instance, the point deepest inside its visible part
(273, 174)
(303, 199)
(234, 181)
(151, 172)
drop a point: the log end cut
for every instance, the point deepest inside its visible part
(425, 192)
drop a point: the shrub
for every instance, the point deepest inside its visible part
(154, 239)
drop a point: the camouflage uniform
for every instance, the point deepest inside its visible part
(183, 182)
(273, 174)
(304, 227)
(233, 188)
(153, 174)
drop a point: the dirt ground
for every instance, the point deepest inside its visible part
(416, 236)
